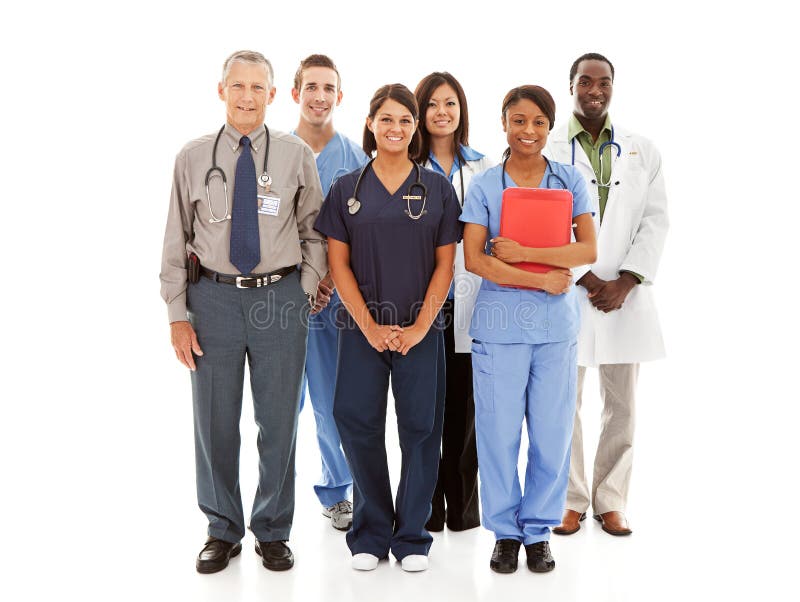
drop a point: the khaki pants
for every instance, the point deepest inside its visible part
(614, 457)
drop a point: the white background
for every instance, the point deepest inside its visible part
(96, 446)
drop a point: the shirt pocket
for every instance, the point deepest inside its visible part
(285, 209)
(482, 379)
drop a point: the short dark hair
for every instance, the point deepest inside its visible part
(315, 60)
(425, 89)
(398, 93)
(537, 95)
(589, 56)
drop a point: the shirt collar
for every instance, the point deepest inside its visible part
(232, 137)
(470, 154)
(574, 127)
(467, 153)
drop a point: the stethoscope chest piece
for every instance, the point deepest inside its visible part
(264, 180)
(353, 205)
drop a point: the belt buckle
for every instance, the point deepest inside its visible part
(240, 280)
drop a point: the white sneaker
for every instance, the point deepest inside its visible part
(365, 562)
(341, 515)
(414, 563)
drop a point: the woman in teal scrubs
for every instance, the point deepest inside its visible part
(523, 354)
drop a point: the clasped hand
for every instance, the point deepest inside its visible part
(608, 295)
(394, 338)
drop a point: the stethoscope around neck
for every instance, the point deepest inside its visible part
(612, 143)
(550, 175)
(354, 205)
(263, 180)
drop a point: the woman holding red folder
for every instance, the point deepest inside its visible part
(524, 350)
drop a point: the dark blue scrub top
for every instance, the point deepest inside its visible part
(391, 255)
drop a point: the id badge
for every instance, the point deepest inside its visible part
(269, 203)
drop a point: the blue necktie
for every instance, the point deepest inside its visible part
(245, 244)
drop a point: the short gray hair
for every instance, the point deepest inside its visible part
(247, 56)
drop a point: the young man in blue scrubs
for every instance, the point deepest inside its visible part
(317, 89)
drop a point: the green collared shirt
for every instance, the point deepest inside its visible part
(592, 150)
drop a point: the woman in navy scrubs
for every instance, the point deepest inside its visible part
(444, 126)
(392, 229)
(524, 349)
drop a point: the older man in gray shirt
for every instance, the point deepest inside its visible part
(240, 221)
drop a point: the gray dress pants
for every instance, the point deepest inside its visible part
(268, 327)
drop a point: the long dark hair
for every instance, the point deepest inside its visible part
(398, 93)
(425, 89)
(538, 96)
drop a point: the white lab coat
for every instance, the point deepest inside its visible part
(631, 238)
(466, 283)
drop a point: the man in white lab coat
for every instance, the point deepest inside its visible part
(619, 323)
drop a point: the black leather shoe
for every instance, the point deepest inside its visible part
(215, 555)
(275, 555)
(540, 560)
(504, 556)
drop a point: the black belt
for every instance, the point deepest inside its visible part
(248, 281)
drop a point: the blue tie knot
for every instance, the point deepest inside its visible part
(244, 141)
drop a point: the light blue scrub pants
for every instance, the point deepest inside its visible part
(336, 482)
(536, 383)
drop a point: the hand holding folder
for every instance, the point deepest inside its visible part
(536, 218)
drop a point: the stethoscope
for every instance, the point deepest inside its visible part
(263, 180)
(354, 205)
(460, 160)
(613, 143)
(550, 175)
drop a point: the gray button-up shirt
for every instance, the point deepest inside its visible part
(286, 239)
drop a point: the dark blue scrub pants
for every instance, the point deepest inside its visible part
(268, 327)
(418, 386)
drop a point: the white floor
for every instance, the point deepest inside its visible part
(116, 519)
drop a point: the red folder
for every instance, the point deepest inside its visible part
(536, 217)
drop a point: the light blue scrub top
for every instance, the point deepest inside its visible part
(512, 315)
(340, 156)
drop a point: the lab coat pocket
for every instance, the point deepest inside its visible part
(482, 379)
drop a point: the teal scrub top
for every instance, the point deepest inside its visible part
(513, 315)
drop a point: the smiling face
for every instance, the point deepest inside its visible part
(591, 89)
(246, 92)
(443, 113)
(318, 95)
(526, 127)
(393, 127)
